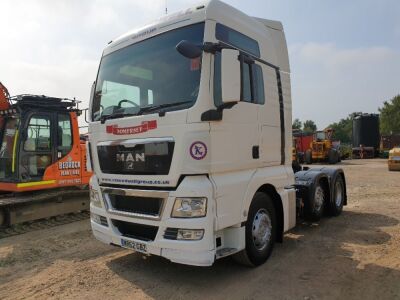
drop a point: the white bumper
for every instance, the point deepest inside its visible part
(199, 253)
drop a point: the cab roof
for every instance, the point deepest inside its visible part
(268, 33)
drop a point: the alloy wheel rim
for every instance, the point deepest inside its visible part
(261, 229)
(339, 194)
(318, 198)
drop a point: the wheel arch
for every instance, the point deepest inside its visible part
(271, 191)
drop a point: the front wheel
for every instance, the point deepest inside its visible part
(260, 232)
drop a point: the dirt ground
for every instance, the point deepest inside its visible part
(353, 256)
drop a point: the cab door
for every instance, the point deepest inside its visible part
(37, 146)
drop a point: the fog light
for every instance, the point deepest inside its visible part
(95, 198)
(95, 218)
(99, 219)
(190, 234)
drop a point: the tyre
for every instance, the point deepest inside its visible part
(332, 156)
(336, 204)
(314, 206)
(296, 166)
(261, 226)
(309, 157)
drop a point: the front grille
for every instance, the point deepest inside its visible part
(136, 205)
(171, 233)
(318, 147)
(136, 231)
(136, 159)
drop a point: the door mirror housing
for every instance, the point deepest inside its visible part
(188, 49)
(92, 90)
(230, 76)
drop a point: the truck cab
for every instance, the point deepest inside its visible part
(190, 138)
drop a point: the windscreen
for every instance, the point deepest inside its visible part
(320, 135)
(149, 74)
(8, 134)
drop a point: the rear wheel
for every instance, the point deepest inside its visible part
(336, 205)
(332, 156)
(260, 232)
(314, 207)
(309, 157)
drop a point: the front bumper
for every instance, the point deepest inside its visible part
(199, 253)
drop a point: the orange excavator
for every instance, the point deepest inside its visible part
(42, 158)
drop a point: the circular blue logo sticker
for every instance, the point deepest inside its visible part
(198, 150)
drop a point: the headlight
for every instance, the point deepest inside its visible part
(95, 198)
(189, 208)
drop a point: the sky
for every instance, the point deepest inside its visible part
(344, 55)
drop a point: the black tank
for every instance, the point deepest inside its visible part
(366, 131)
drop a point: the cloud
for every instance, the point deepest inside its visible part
(331, 82)
(54, 47)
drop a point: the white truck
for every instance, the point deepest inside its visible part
(190, 141)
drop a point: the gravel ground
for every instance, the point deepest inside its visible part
(353, 256)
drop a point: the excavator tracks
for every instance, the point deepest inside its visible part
(43, 224)
(28, 207)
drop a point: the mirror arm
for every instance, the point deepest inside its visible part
(215, 47)
(216, 114)
(228, 105)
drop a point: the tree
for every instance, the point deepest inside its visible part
(309, 126)
(390, 116)
(297, 124)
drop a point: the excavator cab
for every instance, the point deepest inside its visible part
(40, 144)
(42, 159)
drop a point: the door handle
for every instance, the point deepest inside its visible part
(256, 152)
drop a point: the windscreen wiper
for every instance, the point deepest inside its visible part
(142, 110)
(160, 106)
(114, 116)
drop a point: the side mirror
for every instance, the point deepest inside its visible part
(91, 102)
(230, 76)
(188, 49)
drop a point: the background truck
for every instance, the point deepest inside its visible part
(42, 158)
(190, 141)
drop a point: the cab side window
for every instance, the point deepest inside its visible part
(64, 135)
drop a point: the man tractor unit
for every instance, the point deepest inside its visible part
(190, 141)
(42, 158)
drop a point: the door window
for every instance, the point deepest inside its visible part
(38, 134)
(64, 135)
(37, 147)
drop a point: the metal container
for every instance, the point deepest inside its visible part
(366, 131)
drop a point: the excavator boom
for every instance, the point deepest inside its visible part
(4, 98)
